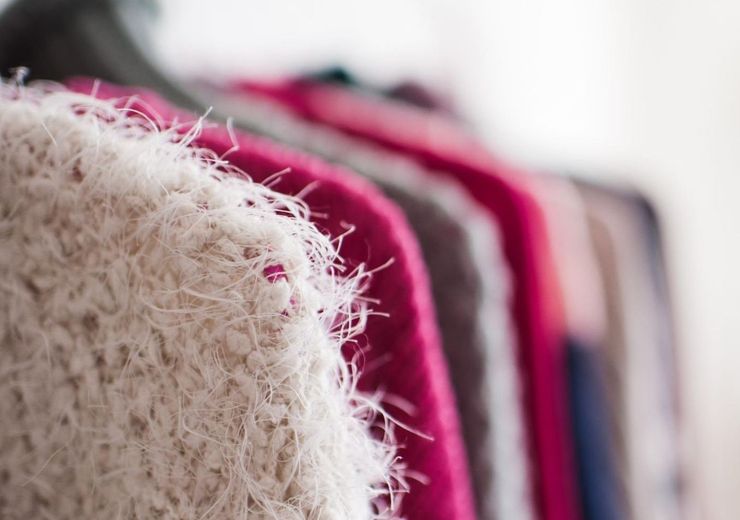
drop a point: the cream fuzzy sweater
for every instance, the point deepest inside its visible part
(169, 333)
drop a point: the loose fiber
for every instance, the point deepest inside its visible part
(484, 372)
(170, 333)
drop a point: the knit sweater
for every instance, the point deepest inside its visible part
(170, 332)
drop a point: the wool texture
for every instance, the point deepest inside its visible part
(400, 349)
(170, 332)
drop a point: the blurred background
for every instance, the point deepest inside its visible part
(646, 91)
(642, 91)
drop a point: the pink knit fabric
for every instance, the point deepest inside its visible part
(402, 351)
(439, 144)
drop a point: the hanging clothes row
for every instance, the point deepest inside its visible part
(336, 303)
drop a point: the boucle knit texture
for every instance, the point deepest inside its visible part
(400, 349)
(170, 332)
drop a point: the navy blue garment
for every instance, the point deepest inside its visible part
(601, 495)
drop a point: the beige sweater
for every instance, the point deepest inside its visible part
(169, 334)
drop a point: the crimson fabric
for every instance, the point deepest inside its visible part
(439, 144)
(402, 351)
